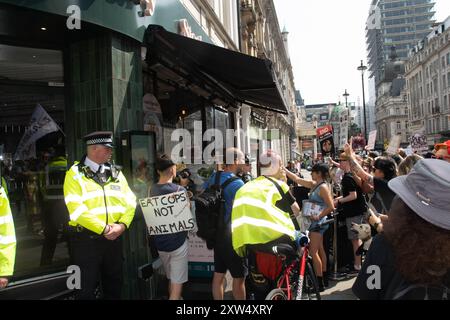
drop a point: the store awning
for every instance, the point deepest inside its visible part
(232, 75)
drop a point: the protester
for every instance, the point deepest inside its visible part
(442, 151)
(263, 213)
(353, 208)
(385, 170)
(245, 172)
(172, 248)
(225, 258)
(321, 195)
(292, 168)
(412, 253)
(184, 179)
(407, 164)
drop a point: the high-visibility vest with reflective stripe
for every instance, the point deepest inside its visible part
(255, 218)
(54, 179)
(7, 237)
(4, 185)
(92, 206)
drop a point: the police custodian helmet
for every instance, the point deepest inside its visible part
(104, 138)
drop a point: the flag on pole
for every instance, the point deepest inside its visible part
(41, 124)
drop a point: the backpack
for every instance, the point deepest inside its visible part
(210, 210)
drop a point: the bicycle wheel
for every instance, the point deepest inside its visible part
(310, 284)
(276, 294)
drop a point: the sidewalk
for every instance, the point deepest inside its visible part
(341, 290)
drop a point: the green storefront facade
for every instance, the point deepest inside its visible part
(103, 90)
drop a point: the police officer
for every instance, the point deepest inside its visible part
(7, 239)
(54, 213)
(101, 207)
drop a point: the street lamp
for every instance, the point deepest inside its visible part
(346, 95)
(363, 68)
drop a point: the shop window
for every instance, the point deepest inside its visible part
(32, 84)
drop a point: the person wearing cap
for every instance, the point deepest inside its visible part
(7, 239)
(442, 151)
(246, 171)
(412, 253)
(101, 207)
(353, 208)
(172, 248)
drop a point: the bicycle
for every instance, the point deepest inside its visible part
(298, 279)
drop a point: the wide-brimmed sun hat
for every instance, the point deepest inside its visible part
(426, 190)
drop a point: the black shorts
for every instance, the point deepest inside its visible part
(226, 259)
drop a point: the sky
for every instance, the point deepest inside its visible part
(327, 44)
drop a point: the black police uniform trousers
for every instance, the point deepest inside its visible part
(100, 261)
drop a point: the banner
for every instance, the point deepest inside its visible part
(394, 145)
(326, 141)
(168, 214)
(419, 143)
(372, 140)
(41, 124)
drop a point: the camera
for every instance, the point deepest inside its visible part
(184, 175)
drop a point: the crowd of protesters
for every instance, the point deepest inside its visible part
(382, 191)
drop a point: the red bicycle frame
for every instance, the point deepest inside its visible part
(284, 283)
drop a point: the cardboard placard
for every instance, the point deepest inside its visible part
(372, 140)
(419, 143)
(168, 214)
(394, 145)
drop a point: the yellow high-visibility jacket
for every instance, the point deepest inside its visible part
(93, 206)
(255, 219)
(53, 179)
(7, 236)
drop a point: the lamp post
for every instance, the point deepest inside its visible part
(346, 95)
(363, 68)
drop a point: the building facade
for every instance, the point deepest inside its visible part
(392, 23)
(396, 23)
(428, 85)
(261, 37)
(391, 113)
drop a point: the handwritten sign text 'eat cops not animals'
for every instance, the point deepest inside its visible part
(167, 214)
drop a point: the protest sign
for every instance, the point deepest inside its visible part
(419, 143)
(394, 145)
(326, 141)
(168, 214)
(372, 140)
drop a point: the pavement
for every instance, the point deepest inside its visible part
(340, 291)
(201, 290)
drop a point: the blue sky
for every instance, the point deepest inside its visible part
(327, 43)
